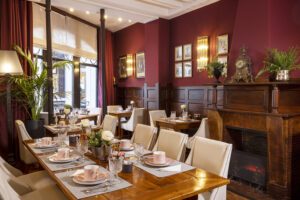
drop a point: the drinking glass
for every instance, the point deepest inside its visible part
(73, 117)
(115, 166)
(173, 115)
(139, 151)
(184, 115)
(61, 135)
(82, 147)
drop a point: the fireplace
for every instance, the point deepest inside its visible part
(249, 157)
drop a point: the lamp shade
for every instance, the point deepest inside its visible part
(9, 63)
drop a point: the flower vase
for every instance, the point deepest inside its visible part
(103, 152)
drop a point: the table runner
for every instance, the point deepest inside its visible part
(77, 190)
(63, 166)
(157, 171)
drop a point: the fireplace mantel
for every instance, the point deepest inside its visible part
(269, 107)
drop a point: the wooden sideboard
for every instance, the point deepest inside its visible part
(272, 108)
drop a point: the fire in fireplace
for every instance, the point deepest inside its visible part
(249, 156)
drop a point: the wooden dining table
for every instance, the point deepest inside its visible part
(120, 115)
(147, 186)
(177, 124)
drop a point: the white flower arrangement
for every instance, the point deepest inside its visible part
(183, 106)
(107, 136)
(85, 122)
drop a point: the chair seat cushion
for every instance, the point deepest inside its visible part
(47, 193)
(36, 180)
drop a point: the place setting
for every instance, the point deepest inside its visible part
(44, 145)
(94, 179)
(158, 164)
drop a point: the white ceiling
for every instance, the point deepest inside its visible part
(131, 11)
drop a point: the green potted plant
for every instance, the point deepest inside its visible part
(216, 69)
(100, 143)
(280, 63)
(30, 91)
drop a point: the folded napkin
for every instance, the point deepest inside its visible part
(175, 168)
(79, 171)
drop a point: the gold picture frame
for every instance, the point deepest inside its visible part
(178, 53)
(140, 65)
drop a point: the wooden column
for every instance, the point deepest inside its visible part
(49, 61)
(76, 84)
(102, 51)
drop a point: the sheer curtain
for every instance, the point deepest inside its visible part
(68, 35)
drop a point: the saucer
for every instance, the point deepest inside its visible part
(127, 149)
(39, 145)
(80, 179)
(149, 160)
(54, 158)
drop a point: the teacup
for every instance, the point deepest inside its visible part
(46, 141)
(159, 157)
(63, 153)
(125, 144)
(90, 172)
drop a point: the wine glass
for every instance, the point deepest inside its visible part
(62, 134)
(82, 147)
(73, 119)
(115, 166)
(139, 151)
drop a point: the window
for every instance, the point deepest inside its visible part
(88, 83)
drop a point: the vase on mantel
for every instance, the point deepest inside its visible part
(217, 74)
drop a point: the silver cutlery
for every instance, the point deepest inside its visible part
(104, 186)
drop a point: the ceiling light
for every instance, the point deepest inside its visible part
(71, 9)
(105, 16)
(87, 12)
(129, 21)
(120, 19)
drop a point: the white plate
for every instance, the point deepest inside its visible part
(72, 158)
(40, 146)
(102, 180)
(148, 160)
(127, 149)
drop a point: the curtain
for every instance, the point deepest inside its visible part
(110, 94)
(15, 29)
(68, 35)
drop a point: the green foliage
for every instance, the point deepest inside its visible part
(95, 139)
(215, 65)
(31, 89)
(277, 60)
(67, 106)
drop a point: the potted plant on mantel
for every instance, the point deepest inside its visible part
(100, 143)
(280, 63)
(216, 69)
(30, 91)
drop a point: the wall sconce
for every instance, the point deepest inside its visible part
(129, 62)
(202, 52)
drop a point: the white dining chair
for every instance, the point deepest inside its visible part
(144, 135)
(11, 190)
(110, 123)
(137, 117)
(155, 115)
(173, 143)
(202, 131)
(212, 156)
(96, 111)
(25, 154)
(34, 181)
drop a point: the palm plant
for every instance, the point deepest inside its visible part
(277, 60)
(31, 89)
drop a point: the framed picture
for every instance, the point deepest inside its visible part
(187, 69)
(178, 53)
(178, 70)
(222, 44)
(122, 67)
(140, 65)
(187, 52)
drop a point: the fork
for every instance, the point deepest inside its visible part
(95, 188)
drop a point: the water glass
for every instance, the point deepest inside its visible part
(184, 115)
(82, 147)
(173, 115)
(62, 134)
(115, 167)
(139, 151)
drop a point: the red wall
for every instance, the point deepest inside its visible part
(257, 24)
(130, 40)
